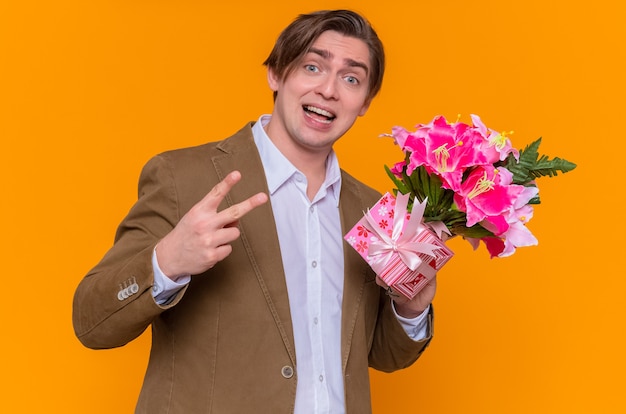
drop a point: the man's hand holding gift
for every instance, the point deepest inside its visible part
(411, 308)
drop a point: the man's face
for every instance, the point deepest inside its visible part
(319, 100)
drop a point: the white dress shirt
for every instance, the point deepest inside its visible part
(311, 244)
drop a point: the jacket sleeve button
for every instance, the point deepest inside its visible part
(287, 371)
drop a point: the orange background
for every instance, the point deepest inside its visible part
(91, 89)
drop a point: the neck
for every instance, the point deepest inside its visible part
(313, 166)
(310, 161)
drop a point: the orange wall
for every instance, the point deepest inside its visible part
(89, 90)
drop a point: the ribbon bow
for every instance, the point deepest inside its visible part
(399, 242)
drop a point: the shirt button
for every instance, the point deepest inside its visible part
(314, 263)
(312, 209)
(321, 378)
(287, 371)
(315, 320)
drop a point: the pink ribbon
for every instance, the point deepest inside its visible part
(399, 241)
(439, 228)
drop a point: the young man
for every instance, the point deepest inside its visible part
(258, 306)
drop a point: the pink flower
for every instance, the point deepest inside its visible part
(400, 135)
(496, 146)
(518, 235)
(398, 168)
(494, 245)
(445, 149)
(486, 195)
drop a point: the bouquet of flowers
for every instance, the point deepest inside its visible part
(475, 182)
(455, 179)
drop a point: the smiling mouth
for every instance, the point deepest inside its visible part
(319, 114)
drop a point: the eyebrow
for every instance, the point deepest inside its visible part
(350, 62)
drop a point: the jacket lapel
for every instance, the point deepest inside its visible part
(258, 228)
(351, 207)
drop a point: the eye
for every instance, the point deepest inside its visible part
(311, 68)
(352, 80)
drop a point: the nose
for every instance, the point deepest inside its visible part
(327, 88)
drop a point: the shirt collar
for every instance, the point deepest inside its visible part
(278, 169)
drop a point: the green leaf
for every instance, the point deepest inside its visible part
(397, 182)
(417, 185)
(436, 192)
(474, 232)
(450, 217)
(532, 166)
(550, 167)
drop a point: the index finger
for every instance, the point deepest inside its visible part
(235, 212)
(230, 215)
(214, 197)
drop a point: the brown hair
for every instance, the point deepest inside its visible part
(297, 38)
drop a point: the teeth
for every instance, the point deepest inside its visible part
(319, 111)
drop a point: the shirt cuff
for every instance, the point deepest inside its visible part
(416, 328)
(164, 288)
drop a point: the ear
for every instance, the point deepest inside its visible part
(272, 79)
(365, 107)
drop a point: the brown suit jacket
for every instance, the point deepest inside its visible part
(225, 343)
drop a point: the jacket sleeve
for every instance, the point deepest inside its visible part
(113, 304)
(392, 348)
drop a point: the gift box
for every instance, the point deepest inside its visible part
(403, 251)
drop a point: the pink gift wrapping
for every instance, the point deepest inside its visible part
(398, 246)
